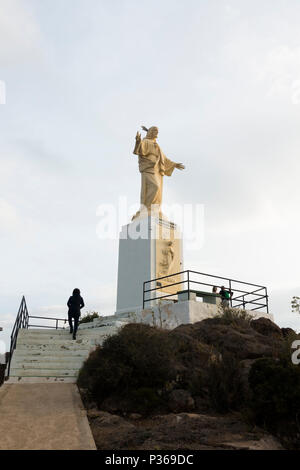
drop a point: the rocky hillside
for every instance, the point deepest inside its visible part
(184, 431)
(223, 383)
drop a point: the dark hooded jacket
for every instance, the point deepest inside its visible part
(75, 303)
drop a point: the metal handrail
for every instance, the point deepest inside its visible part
(56, 327)
(22, 321)
(243, 299)
(223, 278)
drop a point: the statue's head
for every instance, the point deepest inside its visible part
(152, 133)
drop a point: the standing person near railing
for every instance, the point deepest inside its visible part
(226, 295)
(75, 303)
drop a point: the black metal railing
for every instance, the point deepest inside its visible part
(190, 281)
(23, 321)
(56, 327)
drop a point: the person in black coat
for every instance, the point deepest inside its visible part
(75, 303)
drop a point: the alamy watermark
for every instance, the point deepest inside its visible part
(2, 92)
(184, 221)
(296, 353)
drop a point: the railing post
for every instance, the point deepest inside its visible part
(188, 274)
(267, 300)
(230, 293)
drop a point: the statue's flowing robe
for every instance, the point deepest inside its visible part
(153, 165)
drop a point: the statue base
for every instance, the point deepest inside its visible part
(149, 248)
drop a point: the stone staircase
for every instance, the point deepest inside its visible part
(43, 355)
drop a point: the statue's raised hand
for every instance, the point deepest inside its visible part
(179, 166)
(138, 140)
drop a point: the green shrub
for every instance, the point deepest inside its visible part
(146, 400)
(234, 316)
(225, 385)
(190, 358)
(89, 317)
(275, 402)
(138, 357)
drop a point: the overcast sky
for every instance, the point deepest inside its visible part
(221, 80)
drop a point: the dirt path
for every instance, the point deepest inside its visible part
(43, 416)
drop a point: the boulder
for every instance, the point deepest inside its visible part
(241, 339)
(266, 327)
(181, 400)
(135, 416)
(184, 431)
(112, 432)
(287, 332)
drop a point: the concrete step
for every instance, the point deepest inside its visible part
(61, 333)
(45, 355)
(108, 324)
(40, 380)
(48, 357)
(44, 331)
(66, 331)
(54, 347)
(80, 332)
(41, 364)
(43, 372)
(58, 356)
(60, 340)
(57, 343)
(29, 336)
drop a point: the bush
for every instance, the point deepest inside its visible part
(234, 316)
(89, 317)
(138, 357)
(190, 358)
(136, 370)
(275, 402)
(146, 400)
(225, 385)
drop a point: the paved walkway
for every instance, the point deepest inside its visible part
(43, 417)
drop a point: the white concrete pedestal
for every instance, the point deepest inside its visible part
(144, 255)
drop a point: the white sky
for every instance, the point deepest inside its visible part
(221, 79)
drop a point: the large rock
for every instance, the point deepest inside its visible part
(181, 400)
(182, 431)
(241, 339)
(109, 431)
(266, 327)
(288, 332)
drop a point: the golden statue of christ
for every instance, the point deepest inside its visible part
(153, 166)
